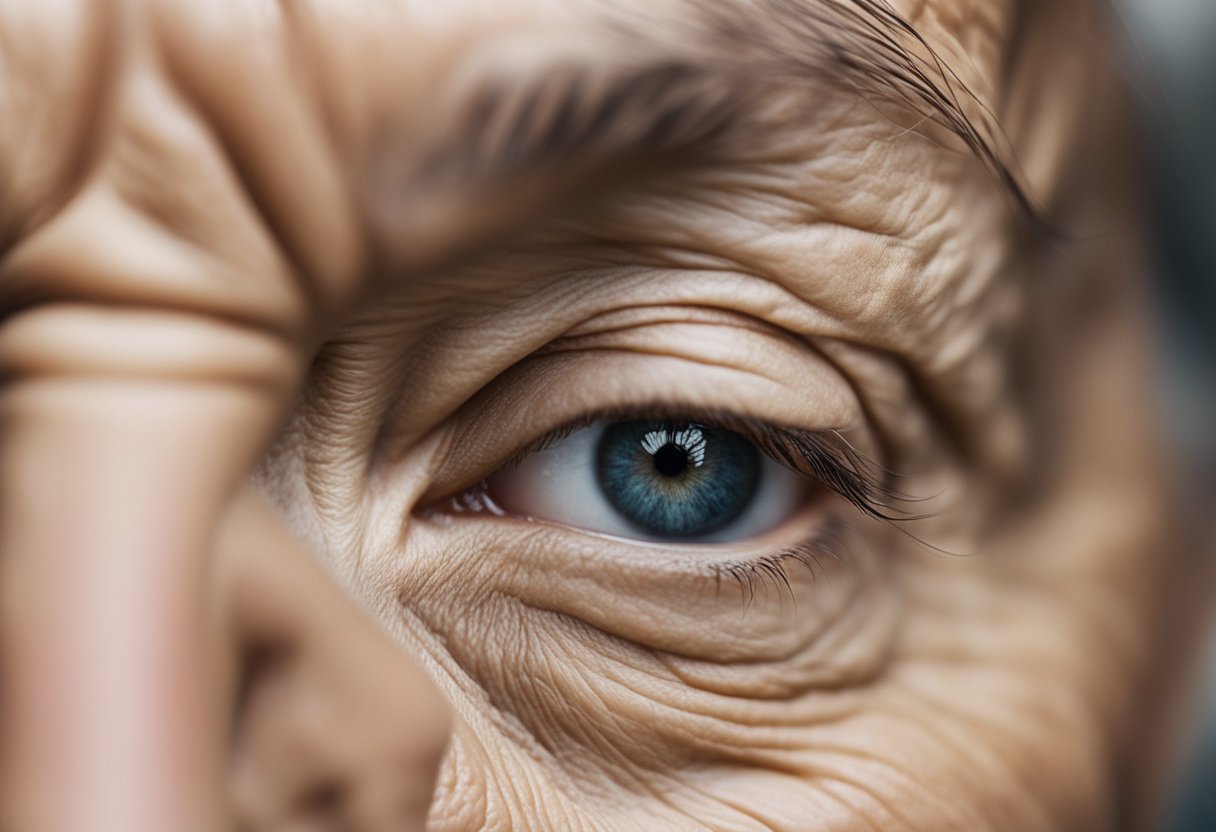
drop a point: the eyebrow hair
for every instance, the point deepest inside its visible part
(575, 114)
(695, 96)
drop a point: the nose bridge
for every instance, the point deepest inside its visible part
(336, 715)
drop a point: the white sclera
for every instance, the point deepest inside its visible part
(559, 484)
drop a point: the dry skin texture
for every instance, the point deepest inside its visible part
(373, 249)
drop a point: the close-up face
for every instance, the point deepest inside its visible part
(733, 412)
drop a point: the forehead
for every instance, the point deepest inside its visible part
(448, 116)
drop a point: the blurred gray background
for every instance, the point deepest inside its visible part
(1172, 45)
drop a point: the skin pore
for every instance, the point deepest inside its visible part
(371, 253)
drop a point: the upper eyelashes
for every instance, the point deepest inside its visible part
(829, 458)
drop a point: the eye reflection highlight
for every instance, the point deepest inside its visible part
(655, 480)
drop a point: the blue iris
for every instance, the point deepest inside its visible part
(676, 479)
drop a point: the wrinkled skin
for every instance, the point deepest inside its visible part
(217, 264)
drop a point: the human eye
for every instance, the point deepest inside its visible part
(686, 479)
(652, 479)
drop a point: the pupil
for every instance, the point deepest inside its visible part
(670, 460)
(677, 480)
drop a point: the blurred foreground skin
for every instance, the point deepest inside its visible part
(281, 280)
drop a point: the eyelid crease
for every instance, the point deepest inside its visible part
(825, 457)
(640, 316)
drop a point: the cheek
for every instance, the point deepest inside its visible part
(582, 671)
(897, 689)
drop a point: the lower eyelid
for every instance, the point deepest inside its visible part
(722, 603)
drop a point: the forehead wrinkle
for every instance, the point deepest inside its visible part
(344, 65)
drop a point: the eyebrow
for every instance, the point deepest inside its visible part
(696, 96)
